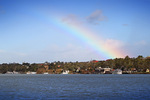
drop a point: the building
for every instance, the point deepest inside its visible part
(147, 70)
(106, 70)
(46, 67)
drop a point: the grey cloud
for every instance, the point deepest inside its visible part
(96, 17)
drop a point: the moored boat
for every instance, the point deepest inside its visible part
(117, 71)
(65, 72)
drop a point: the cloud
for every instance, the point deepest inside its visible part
(116, 46)
(129, 48)
(96, 17)
(71, 19)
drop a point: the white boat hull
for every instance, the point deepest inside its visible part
(117, 72)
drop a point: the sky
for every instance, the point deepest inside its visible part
(36, 31)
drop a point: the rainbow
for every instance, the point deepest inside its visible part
(87, 36)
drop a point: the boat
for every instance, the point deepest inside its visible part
(46, 73)
(31, 72)
(14, 72)
(117, 71)
(65, 72)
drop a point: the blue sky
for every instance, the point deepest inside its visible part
(29, 31)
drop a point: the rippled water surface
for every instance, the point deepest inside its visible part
(104, 87)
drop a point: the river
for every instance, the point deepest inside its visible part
(79, 86)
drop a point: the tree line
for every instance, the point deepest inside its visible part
(139, 63)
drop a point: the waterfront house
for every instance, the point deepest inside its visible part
(46, 67)
(58, 71)
(133, 70)
(65, 72)
(14, 72)
(8, 72)
(117, 71)
(100, 70)
(78, 69)
(106, 70)
(51, 71)
(147, 70)
(41, 70)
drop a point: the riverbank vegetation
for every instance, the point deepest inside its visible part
(127, 65)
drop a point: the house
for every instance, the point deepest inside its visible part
(58, 71)
(41, 70)
(14, 72)
(8, 72)
(147, 70)
(95, 61)
(78, 69)
(100, 70)
(106, 70)
(65, 72)
(46, 67)
(50, 71)
(133, 70)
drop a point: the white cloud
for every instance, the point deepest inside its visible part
(118, 47)
(96, 17)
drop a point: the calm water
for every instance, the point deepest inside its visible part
(104, 87)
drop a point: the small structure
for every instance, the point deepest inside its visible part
(14, 72)
(65, 72)
(8, 72)
(78, 69)
(41, 70)
(106, 70)
(58, 71)
(45, 73)
(31, 72)
(133, 70)
(51, 71)
(46, 67)
(117, 71)
(147, 70)
(99, 70)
